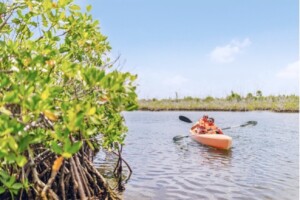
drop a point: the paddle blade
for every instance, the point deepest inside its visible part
(179, 137)
(249, 123)
(185, 119)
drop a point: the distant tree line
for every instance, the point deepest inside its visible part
(258, 95)
(232, 102)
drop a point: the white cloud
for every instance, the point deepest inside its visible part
(227, 53)
(291, 71)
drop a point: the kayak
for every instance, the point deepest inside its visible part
(214, 140)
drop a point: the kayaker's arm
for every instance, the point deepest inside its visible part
(195, 126)
(219, 131)
(214, 130)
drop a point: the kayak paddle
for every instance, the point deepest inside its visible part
(248, 123)
(185, 119)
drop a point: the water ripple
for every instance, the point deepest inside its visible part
(263, 163)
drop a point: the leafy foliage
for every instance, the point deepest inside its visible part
(56, 84)
(234, 96)
(208, 99)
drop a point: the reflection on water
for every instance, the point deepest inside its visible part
(205, 156)
(263, 163)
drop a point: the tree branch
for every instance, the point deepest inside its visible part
(5, 21)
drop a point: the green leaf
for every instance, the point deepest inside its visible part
(16, 21)
(33, 24)
(19, 12)
(56, 38)
(4, 80)
(49, 34)
(62, 3)
(131, 107)
(12, 143)
(45, 94)
(74, 7)
(2, 8)
(56, 148)
(75, 147)
(44, 21)
(21, 160)
(17, 186)
(91, 111)
(88, 8)
(10, 97)
(10, 182)
(90, 145)
(4, 175)
(38, 59)
(64, 49)
(66, 155)
(2, 190)
(5, 111)
(24, 142)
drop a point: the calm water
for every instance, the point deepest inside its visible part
(263, 163)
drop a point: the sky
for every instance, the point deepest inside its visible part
(203, 48)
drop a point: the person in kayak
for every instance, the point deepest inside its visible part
(211, 128)
(200, 126)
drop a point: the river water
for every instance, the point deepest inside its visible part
(263, 162)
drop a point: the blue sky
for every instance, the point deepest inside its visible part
(204, 48)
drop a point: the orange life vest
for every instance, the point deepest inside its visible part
(213, 129)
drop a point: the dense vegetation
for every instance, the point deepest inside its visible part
(233, 102)
(60, 101)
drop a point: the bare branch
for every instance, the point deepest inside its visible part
(7, 71)
(111, 63)
(6, 20)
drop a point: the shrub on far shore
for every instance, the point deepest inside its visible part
(233, 102)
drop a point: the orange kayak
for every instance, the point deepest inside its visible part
(213, 140)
